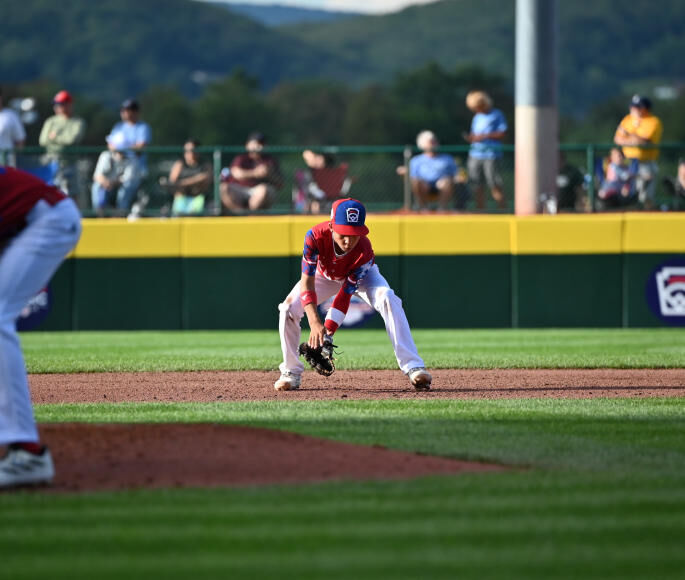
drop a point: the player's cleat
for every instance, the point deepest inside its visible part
(420, 378)
(288, 382)
(20, 467)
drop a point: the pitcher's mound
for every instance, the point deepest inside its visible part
(115, 456)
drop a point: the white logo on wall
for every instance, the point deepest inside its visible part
(352, 215)
(670, 284)
(358, 313)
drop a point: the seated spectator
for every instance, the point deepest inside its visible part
(190, 180)
(676, 186)
(253, 179)
(322, 181)
(107, 186)
(59, 131)
(130, 137)
(570, 192)
(431, 174)
(618, 187)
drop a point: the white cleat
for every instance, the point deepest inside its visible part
(19, 467)
(420, 378)
(288, 382)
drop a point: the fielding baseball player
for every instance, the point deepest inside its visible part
(39, 225)
(338, 260)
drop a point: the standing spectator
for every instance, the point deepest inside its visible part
(12, 134)
(570, 181)
(60, 131)
(431, 174)
(189, 180)
(130, 137)
(39, 226)
(488, 128)
(254, 178)
(641, 128)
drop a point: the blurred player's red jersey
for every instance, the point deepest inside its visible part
(319, 251)
(19, 192)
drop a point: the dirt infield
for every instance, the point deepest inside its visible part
(448, 384)
(100, 457)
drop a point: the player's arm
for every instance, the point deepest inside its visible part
(341, 302)
(310, 260)
(317, 330)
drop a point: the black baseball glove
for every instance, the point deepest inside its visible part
(320, 358)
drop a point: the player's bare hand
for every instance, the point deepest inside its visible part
(316, 335)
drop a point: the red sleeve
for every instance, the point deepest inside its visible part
(341, 302)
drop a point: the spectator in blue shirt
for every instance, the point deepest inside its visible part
(130, 137)
(488, 128)
(431, 174)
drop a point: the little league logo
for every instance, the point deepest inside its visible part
(352, 215)
(666, 292)
(670, 284)
(358, 314)
(35, 311)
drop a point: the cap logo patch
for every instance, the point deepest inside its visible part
(352, 215)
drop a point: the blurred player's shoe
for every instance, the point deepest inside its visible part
(20, 467)
(288, 382)
(420, 378)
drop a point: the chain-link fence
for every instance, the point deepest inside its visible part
(367, 173)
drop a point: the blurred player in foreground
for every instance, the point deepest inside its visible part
(338, 260)
(39, 226)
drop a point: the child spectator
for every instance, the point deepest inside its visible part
(618, 186)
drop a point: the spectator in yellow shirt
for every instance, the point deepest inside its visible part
(639, 129)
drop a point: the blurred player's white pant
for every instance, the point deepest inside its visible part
(375, 291)
(26, 266)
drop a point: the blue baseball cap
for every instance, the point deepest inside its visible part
(348, 217)
(640, 102)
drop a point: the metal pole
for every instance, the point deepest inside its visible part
(537, 122)
(216, 159)
(407, 182)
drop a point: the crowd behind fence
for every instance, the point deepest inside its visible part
(372, 176)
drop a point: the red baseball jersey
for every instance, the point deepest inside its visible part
(319, 253)
(19, 192)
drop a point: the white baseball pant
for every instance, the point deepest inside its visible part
(375, 291)
(26, 266)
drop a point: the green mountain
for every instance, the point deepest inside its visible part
(606, 47)
(110, 49)
(279, 14)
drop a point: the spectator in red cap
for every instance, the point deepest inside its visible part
(59, 132)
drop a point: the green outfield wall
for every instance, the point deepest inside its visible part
(450, 271)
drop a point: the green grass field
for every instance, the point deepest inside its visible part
(597, 489)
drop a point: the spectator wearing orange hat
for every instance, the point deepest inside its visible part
(59, 132)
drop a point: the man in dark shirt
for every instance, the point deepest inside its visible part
(253, 180)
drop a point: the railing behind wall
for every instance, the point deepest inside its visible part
(373, 176)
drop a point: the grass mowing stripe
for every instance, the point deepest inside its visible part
(442, 348)
(582, 435)
(432, 527)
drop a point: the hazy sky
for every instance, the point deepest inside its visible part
(370, 6)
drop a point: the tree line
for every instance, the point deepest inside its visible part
(321, 112)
